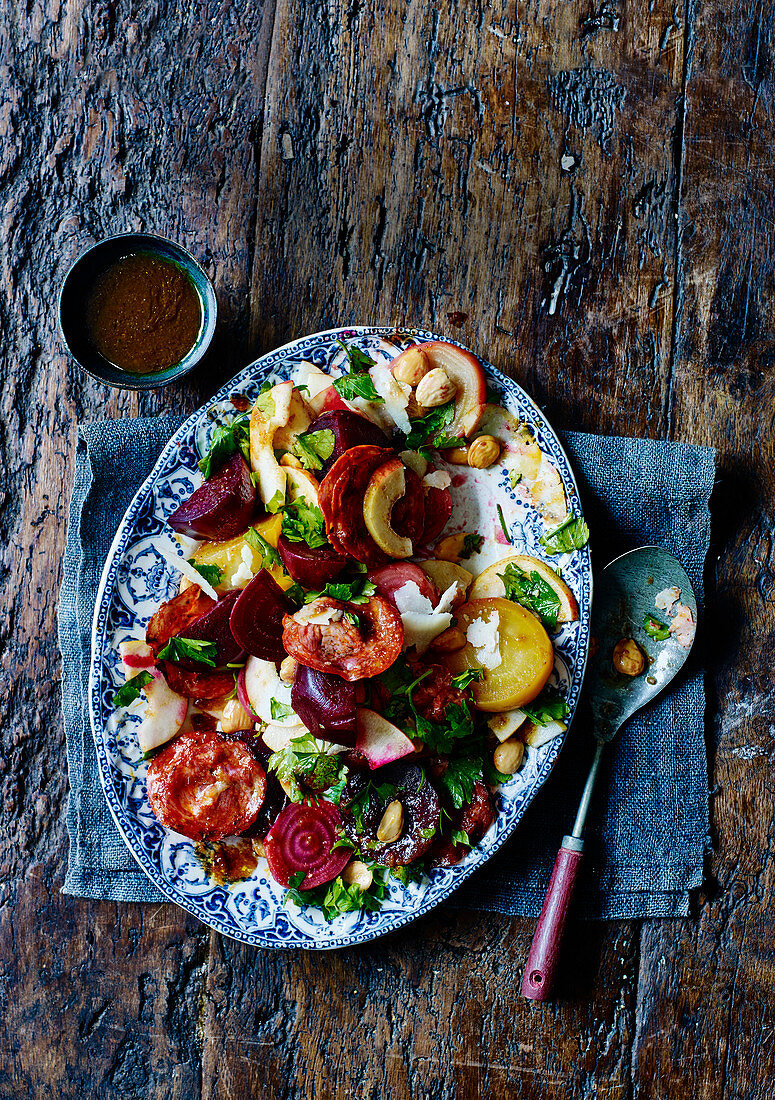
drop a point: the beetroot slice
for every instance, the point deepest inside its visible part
(257, 618)
(350, 430)
(325, 704)
(302, 839)
(222, 507)
(213, 626)
(312, 568)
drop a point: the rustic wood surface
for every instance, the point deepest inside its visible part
(582, 190)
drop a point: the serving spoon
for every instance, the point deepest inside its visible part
(624, 601)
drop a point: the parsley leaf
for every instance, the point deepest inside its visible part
(459, 779)
(279, 710)
(533, 592)
(130, 691)
(276, 503)
(503, 523)
(303, 522)
(357, 382)
(338, 897)
(459, 836)
(358, 591)
(571, 534)
(472, 544)
(269, 556)
(426, 429)
(227, 439)
(462, 681)
(313, 448)
(442, 736)
(211, 573)
(548, 707)
(302, 761)
(357, 360)
(190, 649)
(656, 629)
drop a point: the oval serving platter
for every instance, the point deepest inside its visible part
(138, 576)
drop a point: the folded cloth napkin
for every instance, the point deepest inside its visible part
(648, 828)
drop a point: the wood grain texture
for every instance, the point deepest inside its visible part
(582, 191)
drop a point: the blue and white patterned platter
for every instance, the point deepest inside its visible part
(138, 577)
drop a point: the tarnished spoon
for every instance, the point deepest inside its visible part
(624, 598)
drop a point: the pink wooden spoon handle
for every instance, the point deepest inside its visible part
(545, 948)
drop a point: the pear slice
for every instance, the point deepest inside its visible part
(386, 486)
(271, 411)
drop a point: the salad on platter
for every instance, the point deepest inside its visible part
(357, 657)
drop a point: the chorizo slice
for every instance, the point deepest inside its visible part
(420, 804)
(341, 502)
(354, 641)
(205, 786)
(175, 615)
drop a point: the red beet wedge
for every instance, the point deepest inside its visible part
(222, 507)
(302, 839)
(325, 704)
(257, 618)
(312, 568)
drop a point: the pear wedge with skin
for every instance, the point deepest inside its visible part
(386, 486)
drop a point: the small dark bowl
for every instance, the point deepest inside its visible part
(81, 277)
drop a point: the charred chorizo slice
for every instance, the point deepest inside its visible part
(175, 615)
(354, 641)
(341, 502)
(205, 786)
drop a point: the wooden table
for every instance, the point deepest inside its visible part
(583, 192)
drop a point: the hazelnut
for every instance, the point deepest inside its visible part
(628, 657)
(458, 456)
(287, 669)
(235, 717)
(508, 757)
(483, 452)
(392, 823)
(357, 873)
(411, 367)
(435, 388)
(291, 460)
(450, 641)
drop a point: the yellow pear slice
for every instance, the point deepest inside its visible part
(386, 486)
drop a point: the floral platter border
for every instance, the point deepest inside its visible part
(137, 577)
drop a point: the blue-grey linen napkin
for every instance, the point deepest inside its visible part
(648, 829)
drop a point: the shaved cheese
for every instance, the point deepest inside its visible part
(483, 635)
(315, 615)
(422, 622)
(187, 569)
(395, 395)
(438, 479)
(415, 461)
(666, 598)
(244, 573)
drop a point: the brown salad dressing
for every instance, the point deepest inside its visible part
(143, 314)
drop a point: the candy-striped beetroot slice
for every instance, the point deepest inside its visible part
(302, 839)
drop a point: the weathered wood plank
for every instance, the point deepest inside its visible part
(114, 117)
(706, 988)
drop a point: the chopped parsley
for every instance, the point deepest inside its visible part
(269, 556)
(462, 681)
(656, 629)
(427, 429)
(211, 573)
(357, 382)
(514, 478)
(303, 522)
(572, 534)
(533, 592)
(472, 544)
(302, 761)
(443, 736)
(276, 503)
(460, 778)
(358, 591)
(190, 649)
(548, 707)
(503, 523)
(130, 691)
(313, 448)
(227, 439)
(337, 897)
(279, 711)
